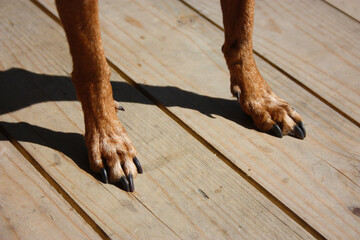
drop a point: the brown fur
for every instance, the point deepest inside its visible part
(106, 139)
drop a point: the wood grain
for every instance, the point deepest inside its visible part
(186, 191)
(30, 208)
(312, 41)
(175, 55)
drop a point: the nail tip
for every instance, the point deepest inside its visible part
(276, 131)
(298, 133)
(301, 125)
(138, 165)
(131, 183)
(124, 184)
(104, 176)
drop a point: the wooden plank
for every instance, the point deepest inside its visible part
(310, 40)
(152, 41)
(185, 192)
(350, 7)
(30, 208)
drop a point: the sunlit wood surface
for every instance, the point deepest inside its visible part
(208, 174)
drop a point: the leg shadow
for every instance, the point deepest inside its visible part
(20, 88)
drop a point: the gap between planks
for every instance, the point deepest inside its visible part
(198, 137)
(285, 73)
(343, 11)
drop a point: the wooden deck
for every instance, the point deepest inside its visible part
(208, 173)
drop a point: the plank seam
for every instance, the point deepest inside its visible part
(200, 139)
(338, 9)
(282, 71)
(54, 184)
(147, 208)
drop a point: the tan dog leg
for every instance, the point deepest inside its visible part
(267, 110)
(110, 150)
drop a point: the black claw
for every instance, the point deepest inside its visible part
(276, 131)
(124, 184)
(298, 133)
(238, 96)
(138, 165)
(131, 182)
(119, 107)
(301, 126)
(104, 176)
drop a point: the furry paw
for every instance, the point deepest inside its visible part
(112, 154)
(272, 114)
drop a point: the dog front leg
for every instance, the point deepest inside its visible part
(109, 148)
(269, 112)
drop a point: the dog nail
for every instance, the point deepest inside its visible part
(138, 165)
(124, 184)
(276, 131)
(119, 107)
(131, 183)
(301, 126)
(238, 96)
(104, 176)
(298, 133)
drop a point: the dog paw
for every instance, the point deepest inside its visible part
(112, 154)
(269, 112)
(272, 114)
